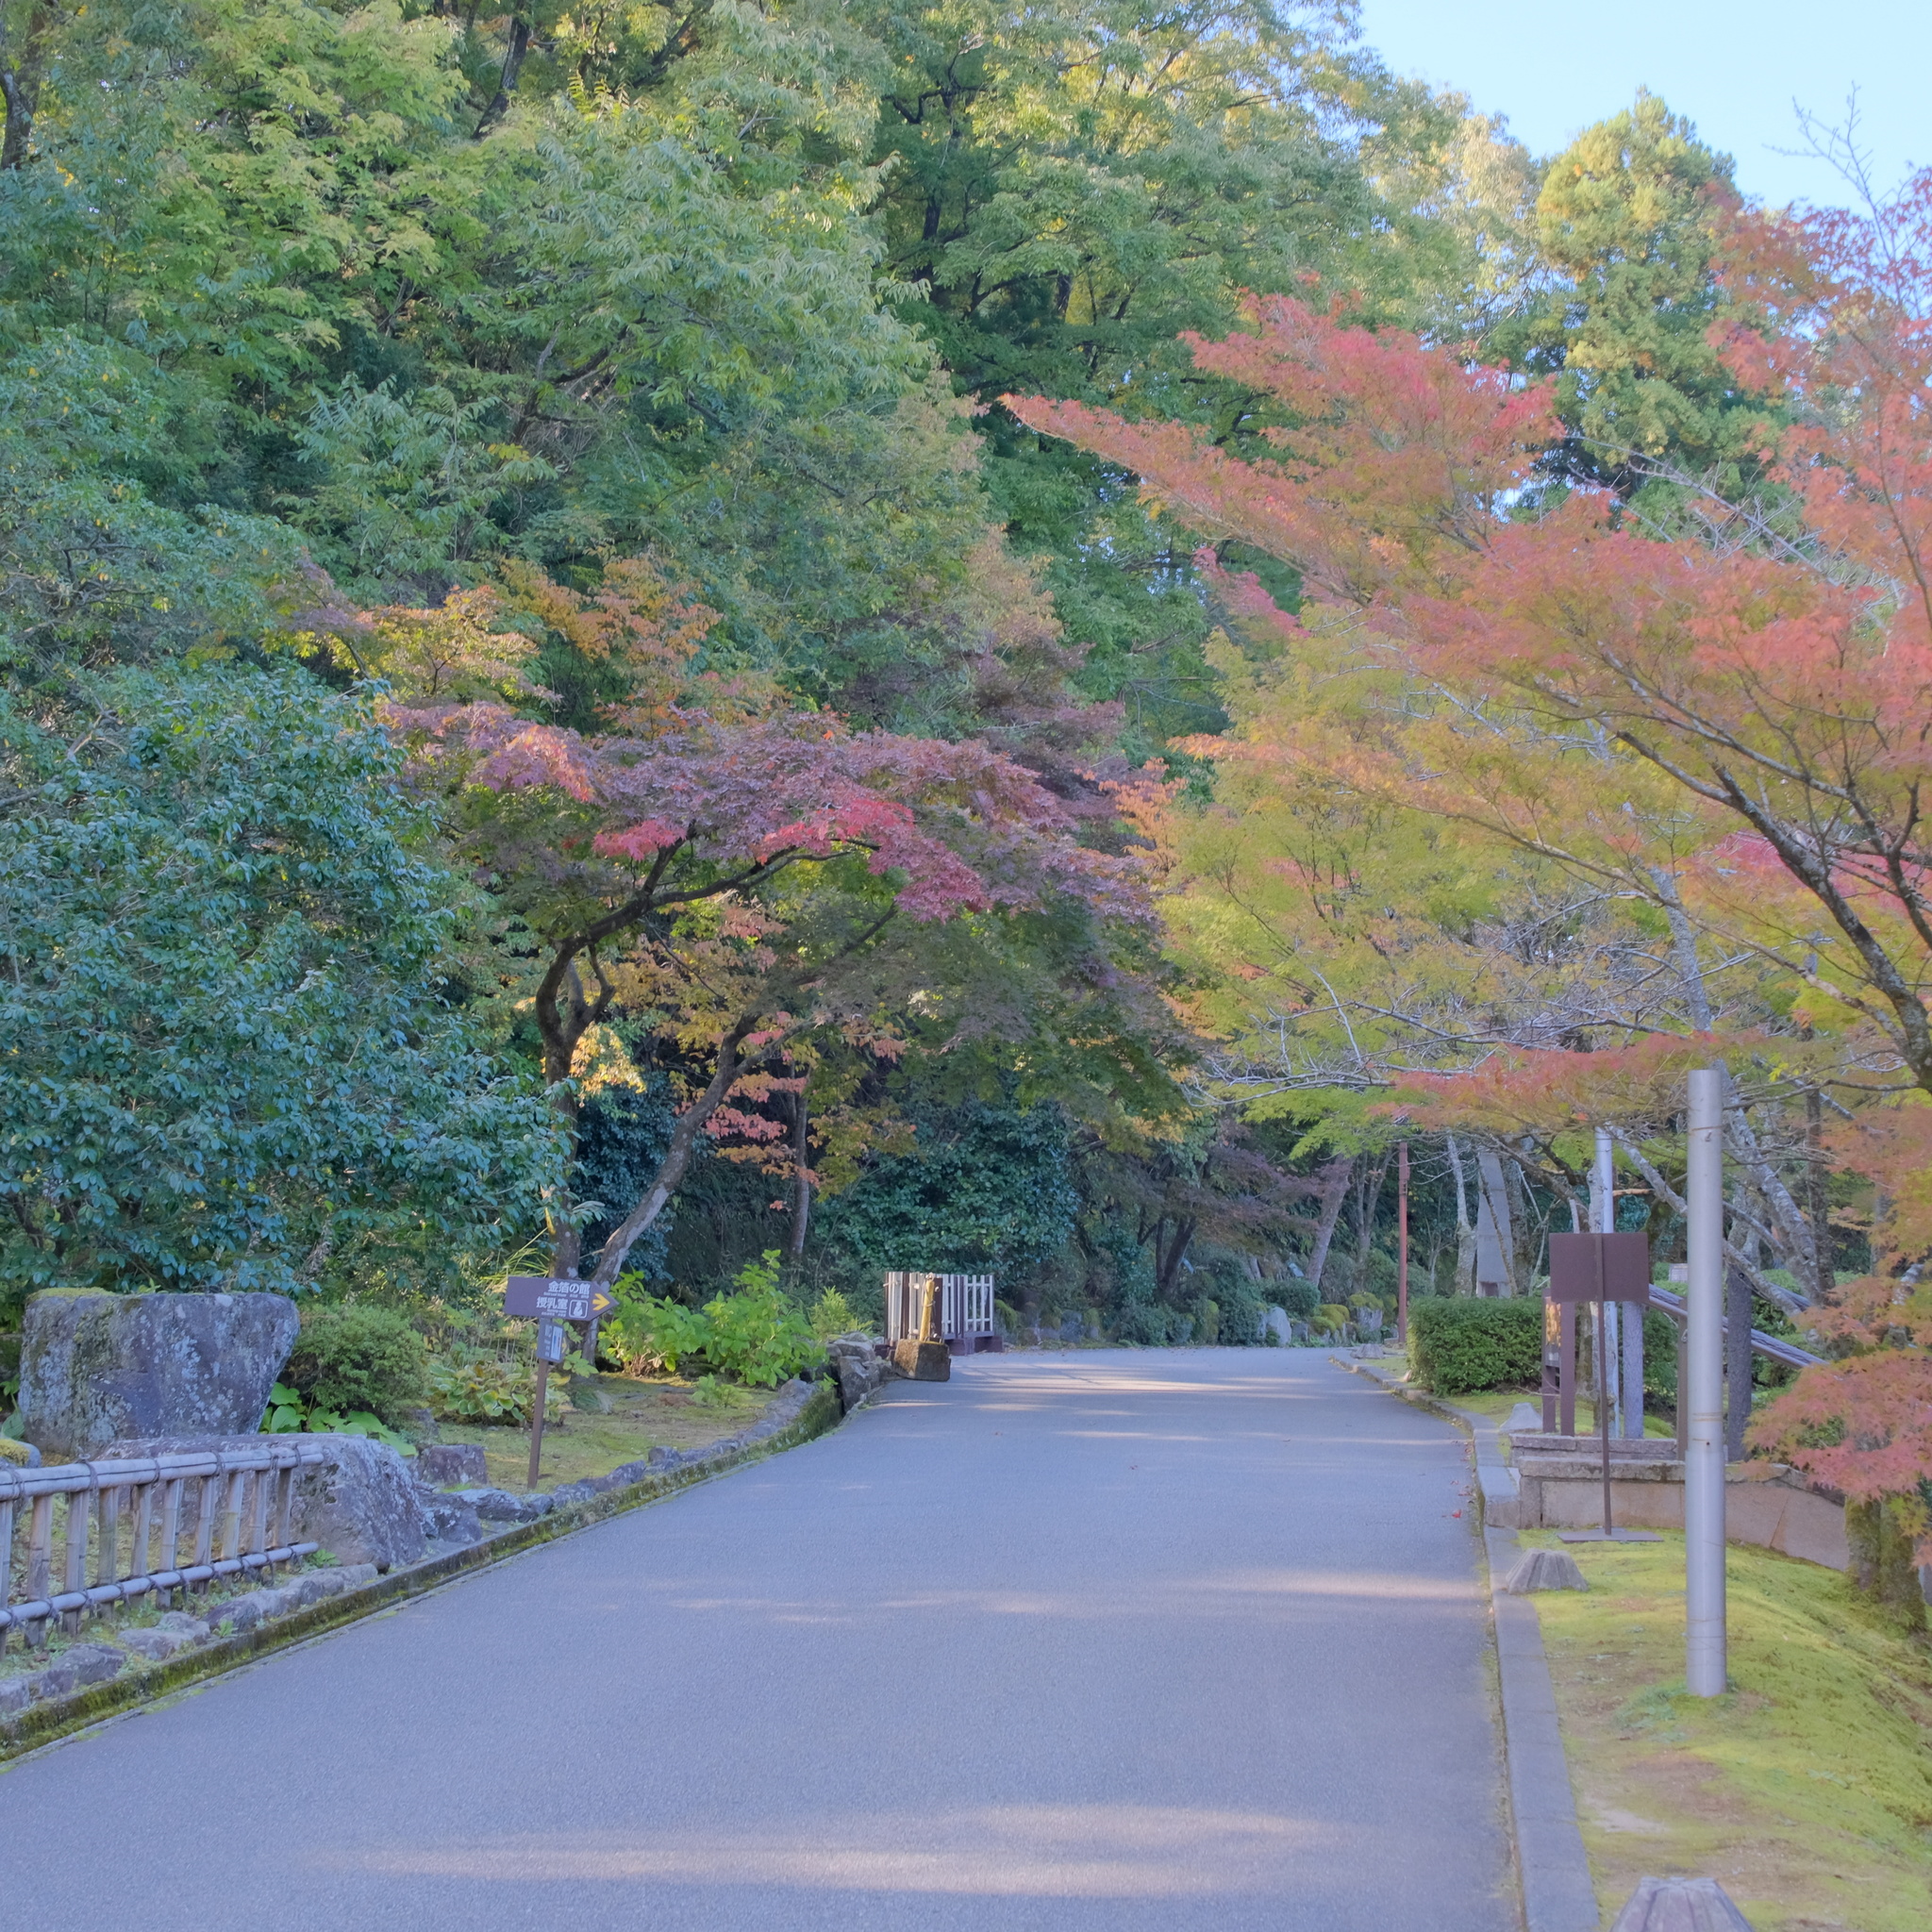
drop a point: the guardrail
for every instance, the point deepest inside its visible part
(1773, 1346)
(234, 1506)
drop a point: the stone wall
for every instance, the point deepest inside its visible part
(1559, 1485)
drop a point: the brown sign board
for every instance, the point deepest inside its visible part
(560, 1300)
(1606, 1267)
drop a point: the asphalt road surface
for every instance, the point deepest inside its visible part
(1121, 1641)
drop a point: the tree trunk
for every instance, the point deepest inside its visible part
(1736, 1362)
(1335, 1192)
(801, 1177)
(1168, 1265)
(684, 1140)
(1495, 1239)
(20, 84)
(1817, 1205)
(507, 74)
(1368, 1196)
(1465, 1226)
(1884, 1570)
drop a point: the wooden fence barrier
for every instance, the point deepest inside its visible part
(234, 1505)
(968, 1318)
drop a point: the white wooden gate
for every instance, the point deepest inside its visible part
(966, 1311)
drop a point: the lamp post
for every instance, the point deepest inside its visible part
(1705, 1661)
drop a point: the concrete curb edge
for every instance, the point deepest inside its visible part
(49, 1723)
(1552, 1865)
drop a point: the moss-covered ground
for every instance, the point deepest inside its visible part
(662, 1412)
(1806, 1791)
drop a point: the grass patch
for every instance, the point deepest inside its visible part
(643, 1415)
(1499, 1402)
(1806, 1791)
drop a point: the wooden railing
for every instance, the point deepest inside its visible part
(128, 1523)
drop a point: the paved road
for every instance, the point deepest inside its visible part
(1150, 1641)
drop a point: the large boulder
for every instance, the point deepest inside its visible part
(95, 1368)
(361, 1505)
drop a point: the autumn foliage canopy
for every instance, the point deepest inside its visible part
(1726, 717)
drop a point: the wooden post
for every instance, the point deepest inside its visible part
(6, 1567)
(1401, 1246)
(79, 1516)
(170, 1557)
(40, 1561)
(536, 1420)
(231, 1518)
(286, 1505)
(258, 1529)
(204, 1524)
(107, 1543)
(138, 1564)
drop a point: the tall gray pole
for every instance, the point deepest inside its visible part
(1703, 1373)
(1626, 1324)
(1610, 1341)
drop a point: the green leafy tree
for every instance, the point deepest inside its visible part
(226, 1056)
(988, 1188)
(1627, 222)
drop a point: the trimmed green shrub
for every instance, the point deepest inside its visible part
(1329, 1317)
(1297, 1296)
(1459, 1345)
(349, 1357)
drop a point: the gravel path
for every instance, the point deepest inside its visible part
(1121, 1641)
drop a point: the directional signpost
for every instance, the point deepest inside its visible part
(1602, 1268)
(552, 1301)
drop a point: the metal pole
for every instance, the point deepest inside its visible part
(1603, 1219)
(1401, 1246)
(1705, 1661)
(1603, 1386)
(1633, 1372)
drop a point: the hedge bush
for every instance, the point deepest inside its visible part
(1459, 1345)
(350, 1357)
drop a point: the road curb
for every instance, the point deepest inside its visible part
(1552, 1866)
(49, 1723)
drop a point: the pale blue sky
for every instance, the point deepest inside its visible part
(1733, 66)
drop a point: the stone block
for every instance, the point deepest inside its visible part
(448, 1519)
(76, 1669)
(502, 1506)
(855, 1367)
(1544, 1569)
(99, 1368)
(360, 1506)
(157, 1645)
(452, 1465)
(923, 1361)
(1680, 1905)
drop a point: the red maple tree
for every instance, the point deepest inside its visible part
(748, 882)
